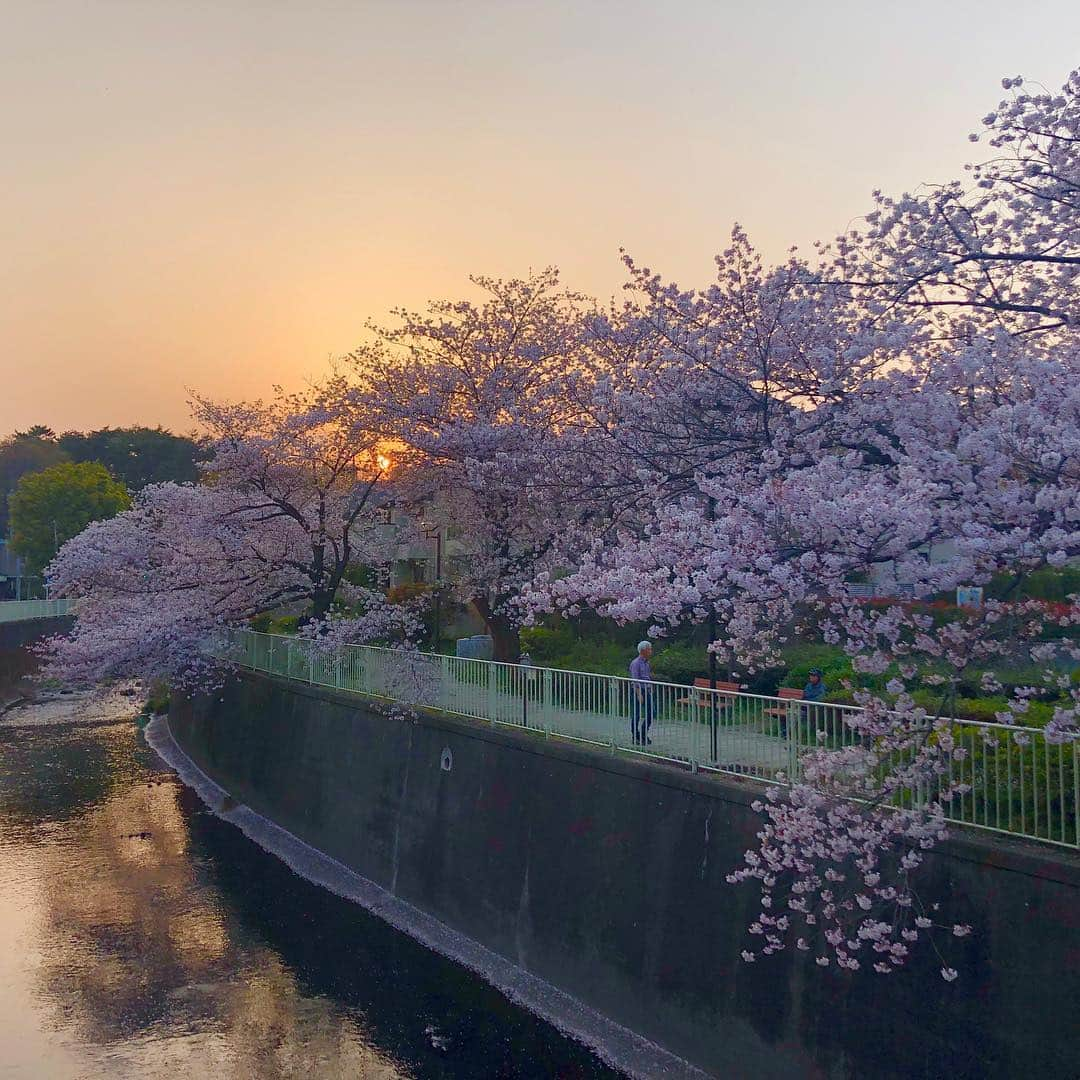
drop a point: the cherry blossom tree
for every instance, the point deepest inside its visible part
(683, 382)
(291, 499)
(877, 445)
(473, 399)
(1000, 249)
(307, 462)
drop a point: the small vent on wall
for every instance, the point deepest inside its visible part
(446, 762)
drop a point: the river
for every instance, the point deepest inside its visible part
(140, 935)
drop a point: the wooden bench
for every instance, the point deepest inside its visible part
(726, 693)
(785, 693)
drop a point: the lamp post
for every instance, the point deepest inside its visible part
(56, 551)
(435, 533)
(713, 704)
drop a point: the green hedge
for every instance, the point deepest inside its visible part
(1022, 787)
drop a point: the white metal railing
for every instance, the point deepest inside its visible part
(1016, 782)
(19, 610)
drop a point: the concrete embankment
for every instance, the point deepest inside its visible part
(17, 658)
(605, 878)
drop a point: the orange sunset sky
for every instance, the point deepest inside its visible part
(217, 195)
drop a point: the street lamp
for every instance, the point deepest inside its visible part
(434, 532)
(714, 719)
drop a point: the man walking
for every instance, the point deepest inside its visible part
(641, 694)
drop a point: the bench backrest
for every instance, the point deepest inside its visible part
(728, 687)
(789, 693)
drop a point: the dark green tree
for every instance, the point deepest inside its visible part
(137, 456)
(21, 453)
(51, 506)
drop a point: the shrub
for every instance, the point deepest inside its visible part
(1046, 583)
(366, 577)
(984, 709)
(544, 643)
(157, 702)
(1017, 785)
(680, 663)
(833, 662)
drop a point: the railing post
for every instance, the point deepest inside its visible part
(613, 708)
(492, 689)
(793, 723)
(548, 708)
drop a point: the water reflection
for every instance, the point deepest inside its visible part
(140, 935)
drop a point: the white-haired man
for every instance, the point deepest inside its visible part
(641, 694)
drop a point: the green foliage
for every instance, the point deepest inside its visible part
(545, 643)
(22, 453)
(1017, 785)
(983, 709)
(680, 662)
(50, 507)
(268, 623)
(364, 577)
(834, 663)
(157, 702)
(1046, 583)
(559, 647)
(136, 456)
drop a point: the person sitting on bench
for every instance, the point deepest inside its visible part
(814, 690)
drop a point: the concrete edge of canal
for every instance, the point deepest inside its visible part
(591, 888)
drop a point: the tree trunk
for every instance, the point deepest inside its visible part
(503, 632)
(321, 603)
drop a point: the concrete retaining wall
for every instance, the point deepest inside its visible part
(17, 660)
(605, 876)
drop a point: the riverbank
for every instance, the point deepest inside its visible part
(43, 707)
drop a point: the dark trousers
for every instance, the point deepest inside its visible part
(641, 717)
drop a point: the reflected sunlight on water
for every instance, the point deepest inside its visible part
(140, 936)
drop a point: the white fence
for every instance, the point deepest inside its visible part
(20, 610)
(1016, 781)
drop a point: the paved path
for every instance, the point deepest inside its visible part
(580, 706)
(679, 731)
